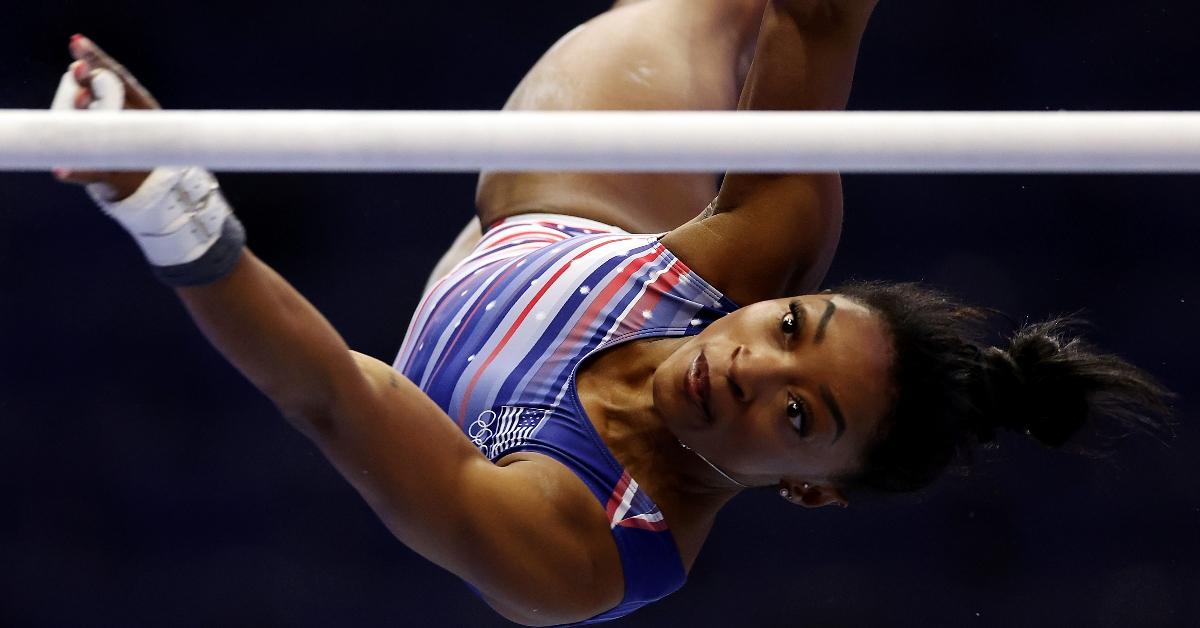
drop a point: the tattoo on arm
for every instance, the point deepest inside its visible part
(392, 381)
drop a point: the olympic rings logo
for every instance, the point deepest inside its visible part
(481, 432)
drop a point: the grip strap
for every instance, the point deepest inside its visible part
(182, 223)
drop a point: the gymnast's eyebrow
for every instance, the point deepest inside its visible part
(830, 308)
(835, 410)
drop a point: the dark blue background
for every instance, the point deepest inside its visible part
(145, 483)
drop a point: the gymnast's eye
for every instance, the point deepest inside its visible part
(794, 318)
(798, 414)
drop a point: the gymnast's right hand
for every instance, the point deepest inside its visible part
(97, 81)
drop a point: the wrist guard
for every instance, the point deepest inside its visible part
(182, 223)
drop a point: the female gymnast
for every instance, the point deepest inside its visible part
(593, 374)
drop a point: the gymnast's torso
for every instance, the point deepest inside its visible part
(497, 343)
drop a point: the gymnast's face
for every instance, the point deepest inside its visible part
(790, 389)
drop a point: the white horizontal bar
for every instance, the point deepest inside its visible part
(604, 141)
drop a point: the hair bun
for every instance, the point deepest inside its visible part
(953, 390)
(1035, 386)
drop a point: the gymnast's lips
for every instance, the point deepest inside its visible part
(695, 382)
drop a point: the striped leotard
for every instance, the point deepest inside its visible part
(496, 343)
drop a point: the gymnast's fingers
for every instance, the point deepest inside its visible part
(81, 72)
(136, 96)
(87, 177)
(83, 98)
(110, 185)
(92, 82)
(83, 87)
(74, 92)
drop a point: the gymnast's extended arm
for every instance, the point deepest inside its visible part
(425, 480)
(429, 485)
(783, 228)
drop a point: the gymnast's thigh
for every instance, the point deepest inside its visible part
(649, 55)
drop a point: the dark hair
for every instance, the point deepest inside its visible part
(952, 390)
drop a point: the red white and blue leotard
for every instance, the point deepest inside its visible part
(496, 344)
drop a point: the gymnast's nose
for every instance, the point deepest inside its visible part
(751, 372)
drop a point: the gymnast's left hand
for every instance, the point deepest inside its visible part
(93, 70)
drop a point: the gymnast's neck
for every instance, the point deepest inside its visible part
(616, 388)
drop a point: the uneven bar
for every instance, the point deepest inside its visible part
(674, 141)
